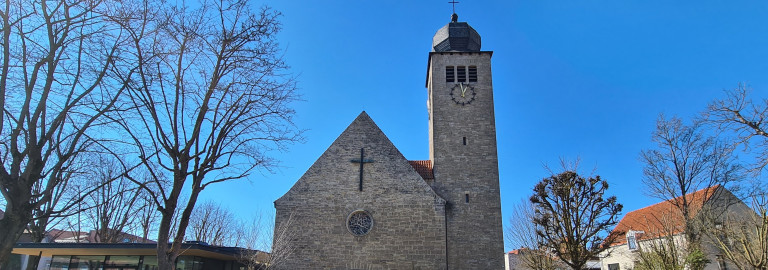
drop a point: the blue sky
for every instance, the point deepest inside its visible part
(585, 78)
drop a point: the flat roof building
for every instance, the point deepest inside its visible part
(135, 256)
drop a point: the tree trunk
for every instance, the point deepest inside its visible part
(33, 261)
(165, 257)
(164, 260)
(12, 225)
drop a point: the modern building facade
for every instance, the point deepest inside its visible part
(137, 256)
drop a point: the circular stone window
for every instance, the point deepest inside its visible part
(359, 223)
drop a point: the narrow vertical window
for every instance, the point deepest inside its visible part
(472, 74)
(464, 140)
(631, 242)
(461, 73)
(632, 239)
(449, 74)
(466, 197)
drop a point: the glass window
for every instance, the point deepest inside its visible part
(632, 239)
(631, 242)
(86, 262)
(121, 262)
(149, 263)
(613, 266)
(188, 263)
(213, 263)
(60, 263)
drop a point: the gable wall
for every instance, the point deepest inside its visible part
(409, 218)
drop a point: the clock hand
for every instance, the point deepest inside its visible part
(463, 89)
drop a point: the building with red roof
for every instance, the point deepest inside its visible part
(655, 225)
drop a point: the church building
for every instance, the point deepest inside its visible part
(363, 205)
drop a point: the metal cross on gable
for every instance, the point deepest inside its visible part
(362, 161)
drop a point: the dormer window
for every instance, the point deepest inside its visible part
(632, 239)
(632, 242)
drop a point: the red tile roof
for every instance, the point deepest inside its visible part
(661, 219)
(518, 251)
(424, 168)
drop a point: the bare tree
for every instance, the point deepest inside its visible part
(64, 201)
(147, 216)
(112, 209)
(741, 234)
(209, 101)
(738, 114)
(252, 233)
(213, 224)
(665, 253)
(686, 160)
(742, 118)
(283, 234)
(55, 86)
(521, 233)
(253, 237)
(572, 216)
(660, 246)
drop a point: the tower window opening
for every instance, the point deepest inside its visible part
(472, 74)
(464, 140)
(449, 74)
(461, 73)
(466, 197)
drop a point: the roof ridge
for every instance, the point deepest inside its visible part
(656, 216)
(715, 187)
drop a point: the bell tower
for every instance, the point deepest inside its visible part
(462, 146)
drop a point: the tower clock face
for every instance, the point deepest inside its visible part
(463, 94)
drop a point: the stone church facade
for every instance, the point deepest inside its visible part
(363, 205)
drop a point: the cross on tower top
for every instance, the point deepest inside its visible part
(453, 3)
(454, 17)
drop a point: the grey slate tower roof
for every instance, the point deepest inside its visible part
(456, 36)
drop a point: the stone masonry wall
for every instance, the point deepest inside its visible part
(409, 218)
(466, 170)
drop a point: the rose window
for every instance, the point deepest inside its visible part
(359, 223)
